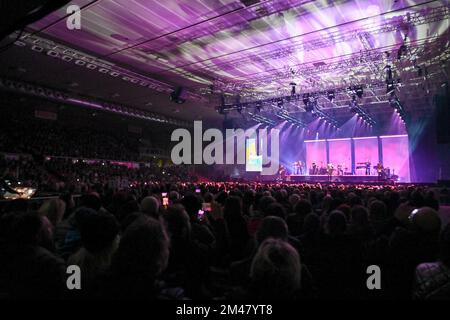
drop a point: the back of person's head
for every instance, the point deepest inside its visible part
(98, 231)
(360, 216)
(336, 224)
(143, 249)
(92, 201)
(81, 214)
(264, 202)
(178, 223)
(275, 270)
(16, 205)
(444, 245)
(174, 196)
(21, 228)
(208, 197)
(311, 224)
(353, 199)
(431, 200)
(417, 199)
(150, 206)
(232, 208)
(293, 199)
(54, 210)
(303, 207)
(346, 210)
(275, 209)
(192, 203)
(272, 227)
(377, 210)
(427, 220)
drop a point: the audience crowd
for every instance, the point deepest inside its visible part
(147, 232)
(257, 241)
(21, 134)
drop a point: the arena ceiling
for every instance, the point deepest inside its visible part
(137, 52)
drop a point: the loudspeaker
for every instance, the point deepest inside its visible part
(442, 103)
(178, 96)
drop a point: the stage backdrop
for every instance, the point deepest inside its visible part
(366, 149)
(340, 153)
(316, 151)
(396, 155)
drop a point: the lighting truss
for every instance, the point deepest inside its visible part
(324, 116)
(354, 107)
(261, 119)
(330, 38)
(395, 103)
(283, 114)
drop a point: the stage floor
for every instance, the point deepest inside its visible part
(326, 178)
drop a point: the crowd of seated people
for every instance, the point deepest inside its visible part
(50, 138)
(252, 241)
(56, 174)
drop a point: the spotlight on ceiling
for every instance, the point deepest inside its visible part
(178, 95)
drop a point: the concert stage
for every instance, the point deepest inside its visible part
(326, 178)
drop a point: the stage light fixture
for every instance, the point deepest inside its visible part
(390, 87)
(292, 84)
(178, 95)
(330, 95)
(388, 73)
(280, 103)
(258, 106)
(306, 98)
(359, 91)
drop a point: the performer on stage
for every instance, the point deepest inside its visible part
(368, 168)
(330, 169)
(340, 172)
(314, 168)
(281, 172)
(380, 170)
(300, 167)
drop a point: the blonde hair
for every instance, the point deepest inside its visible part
(276, 269)
(54, 210)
